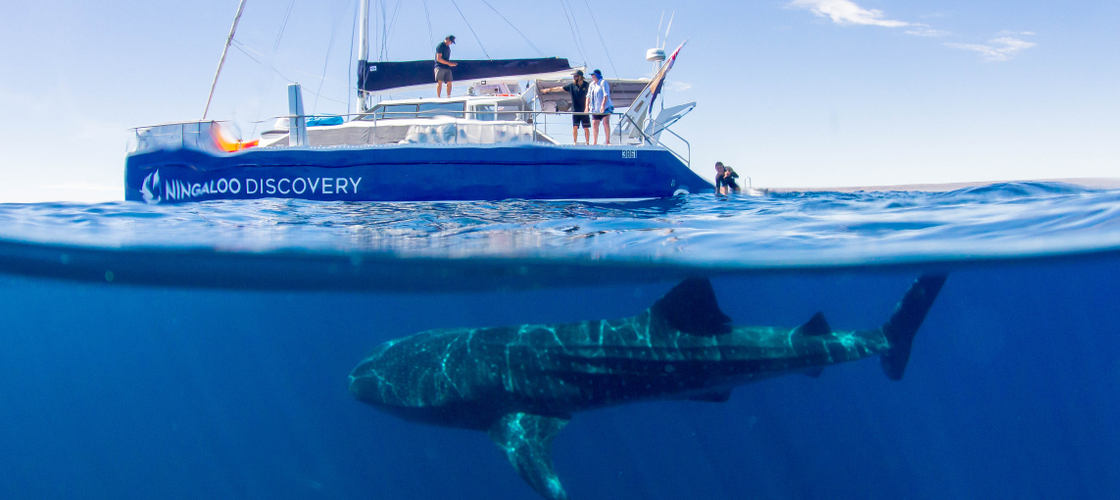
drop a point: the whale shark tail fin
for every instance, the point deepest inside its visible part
(908, 316)
(526, 439)
(691, 307)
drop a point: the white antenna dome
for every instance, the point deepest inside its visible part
(655, 55)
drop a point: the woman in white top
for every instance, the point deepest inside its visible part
(600, 105)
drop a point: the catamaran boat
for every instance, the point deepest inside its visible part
(491, 144)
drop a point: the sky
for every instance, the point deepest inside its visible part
(792, 93)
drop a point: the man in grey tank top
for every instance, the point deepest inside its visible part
(444, 65)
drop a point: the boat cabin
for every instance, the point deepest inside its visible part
(498, 111)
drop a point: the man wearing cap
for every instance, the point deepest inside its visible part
(444, 65)
(578, 90)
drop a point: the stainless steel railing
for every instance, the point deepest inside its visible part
(199, 134)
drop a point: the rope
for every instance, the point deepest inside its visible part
(256, 57)
(570, 16)
(476, 38)
(326, 61)
(384, 29)
(428, 16)
(499, 13)
(284, 25)
(601, 39)
(392, 24)
(350, 60)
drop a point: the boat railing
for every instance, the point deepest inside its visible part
(205, 135)
(617, 132)
(192, 135)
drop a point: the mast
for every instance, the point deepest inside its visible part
(222, 60)
(363, 50)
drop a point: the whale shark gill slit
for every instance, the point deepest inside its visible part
(523, 383)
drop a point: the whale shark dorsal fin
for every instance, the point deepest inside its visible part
(526, 439)
(815, 327)
(691, 307)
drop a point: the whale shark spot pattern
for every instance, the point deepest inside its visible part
(522, 383)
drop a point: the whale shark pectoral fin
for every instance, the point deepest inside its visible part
(691, 307)
(712, 397)
(815, 327)
(526, 439)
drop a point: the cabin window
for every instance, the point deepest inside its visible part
(453, 109)
(506, 111)
(484, 112)
(393, 111)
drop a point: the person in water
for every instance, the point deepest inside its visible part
(725, 179)
(444, 65)
(578, 90)
(600, 105)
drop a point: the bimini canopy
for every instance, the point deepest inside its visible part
(382, 76)
(623, 92)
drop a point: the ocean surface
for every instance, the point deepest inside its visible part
(202, 350)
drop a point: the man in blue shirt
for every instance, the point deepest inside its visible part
(444, 65)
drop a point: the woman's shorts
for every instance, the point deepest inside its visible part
(584, 120)
(443, 74)
(600, 116)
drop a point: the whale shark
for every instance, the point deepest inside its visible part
(522, 384)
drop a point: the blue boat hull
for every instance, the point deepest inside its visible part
(410, 173)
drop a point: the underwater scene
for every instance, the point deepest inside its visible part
(917, 345)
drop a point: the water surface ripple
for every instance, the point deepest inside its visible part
(778, 230)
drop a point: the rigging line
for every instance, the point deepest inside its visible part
(384, 30)
(256, 57)
(284, 24)
(601, 39)
(572, 27)
(350, 60)
(392, 24)
(428, 16)
(476, 38)
(570, 14)
(326, 63)
(381, 44)
(511, 25)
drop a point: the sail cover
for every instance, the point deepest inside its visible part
(380, 76)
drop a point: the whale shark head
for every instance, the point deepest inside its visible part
(366, 380)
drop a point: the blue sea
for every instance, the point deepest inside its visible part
(202, 350)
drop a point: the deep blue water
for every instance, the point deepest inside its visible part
(202, 351)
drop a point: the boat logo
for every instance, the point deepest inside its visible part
(150, 189)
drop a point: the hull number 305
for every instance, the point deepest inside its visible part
(629, 153)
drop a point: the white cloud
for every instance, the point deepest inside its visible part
(926, 31)
(1001, 48)
(1006, 44)
(847, 12)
